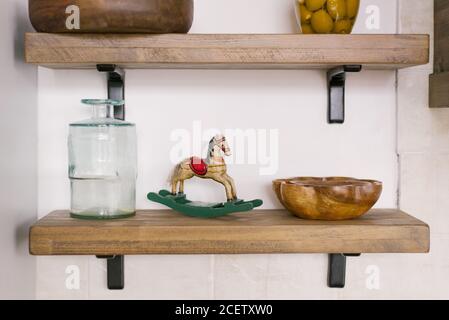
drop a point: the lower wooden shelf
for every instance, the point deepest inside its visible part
(262, 231)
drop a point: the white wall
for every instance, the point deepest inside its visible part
(292, 102)
(423, 146)
(18, 160)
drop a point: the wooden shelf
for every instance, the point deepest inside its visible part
(263, 231)
(226, 51)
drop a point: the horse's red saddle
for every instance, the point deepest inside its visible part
(198, 166)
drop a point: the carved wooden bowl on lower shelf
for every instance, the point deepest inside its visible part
(335, 198)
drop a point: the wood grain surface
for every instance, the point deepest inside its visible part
(224, 51)
(261, 231)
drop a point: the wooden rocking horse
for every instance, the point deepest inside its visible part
(212, 167)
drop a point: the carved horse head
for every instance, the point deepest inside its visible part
(219, 144)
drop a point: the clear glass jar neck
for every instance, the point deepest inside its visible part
(102, 111)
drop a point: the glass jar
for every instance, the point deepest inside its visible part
(326, 16)
(102, 164)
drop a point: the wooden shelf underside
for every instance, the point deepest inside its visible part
(261, 231)
(226, 51)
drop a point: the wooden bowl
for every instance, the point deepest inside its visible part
(335, 198)
(113, 16)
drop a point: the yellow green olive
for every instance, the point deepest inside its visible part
(343, 26)
(314, 5)
(322, 22)
(336, 9)
(305, 14)
(352, 7)
(307, 29)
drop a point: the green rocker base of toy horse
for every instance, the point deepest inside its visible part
(202, 209)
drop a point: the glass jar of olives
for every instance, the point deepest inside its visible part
(326, 16)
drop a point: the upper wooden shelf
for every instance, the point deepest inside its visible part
(260, 231)
(226, 51)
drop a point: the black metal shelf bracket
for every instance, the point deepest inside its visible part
(116, 86)
(115, 271)
(336, 80)
(337, 269)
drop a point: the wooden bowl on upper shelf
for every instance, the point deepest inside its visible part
(334, 198)
(112, 16)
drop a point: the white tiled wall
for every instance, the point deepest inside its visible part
(294, 103)
(423, 144)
